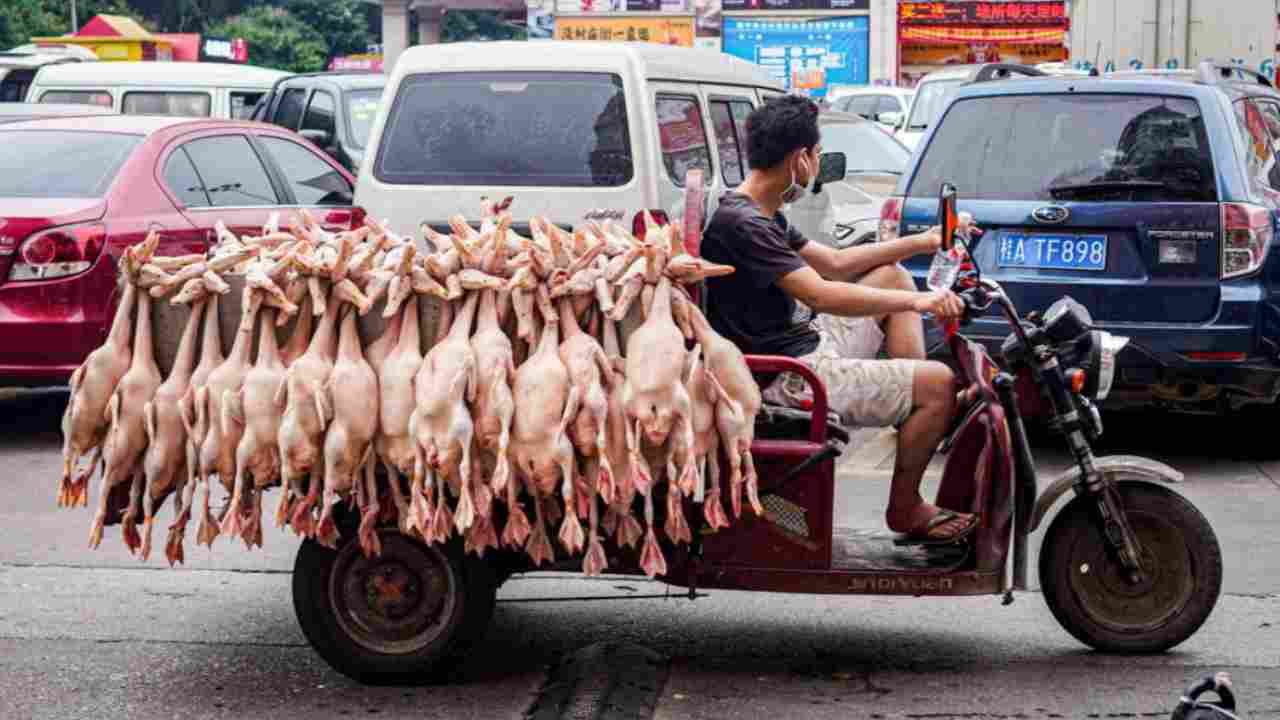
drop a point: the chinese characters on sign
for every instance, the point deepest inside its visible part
(668, 31)
(805, 56)
(1040, 12)
(797, 4)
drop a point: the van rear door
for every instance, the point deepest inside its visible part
(560, 141)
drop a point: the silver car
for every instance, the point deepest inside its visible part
(847, 212)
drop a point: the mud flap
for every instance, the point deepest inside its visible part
(1127, 466)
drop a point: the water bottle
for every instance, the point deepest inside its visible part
(947, 262)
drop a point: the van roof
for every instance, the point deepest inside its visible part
(652, 60)
(110, 74)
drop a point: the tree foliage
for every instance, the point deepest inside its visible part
(343, 24)
(463, 25)
(276, 38)
(21, 20)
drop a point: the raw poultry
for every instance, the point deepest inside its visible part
(522, 421)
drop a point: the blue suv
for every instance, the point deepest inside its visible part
(1152, 199)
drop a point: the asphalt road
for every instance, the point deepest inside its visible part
(88, 634)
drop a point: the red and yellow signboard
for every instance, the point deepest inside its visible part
(988, 35)
(1040, 12)
(665, 30)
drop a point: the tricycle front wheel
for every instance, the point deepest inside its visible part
(404, 617)
(1087, 593)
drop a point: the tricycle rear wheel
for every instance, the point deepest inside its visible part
(1182, 568)
(405, 617)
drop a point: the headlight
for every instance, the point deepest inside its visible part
(1096, 353)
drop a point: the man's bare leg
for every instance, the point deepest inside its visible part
(903, 332)
(934, 395)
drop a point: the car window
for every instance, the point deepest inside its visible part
(683, 137)
(741, 109)
(15, 85)
(863, 105)
(181, 104)
(232, 172)
(320, 113)
(731, 160)
(866, 147)
(181, 177)
(61, 163)
(100, 98)
(507, 128)
(362, 108)
(289, 111)
(1088, 147)
(888, 103)
(1263, 125)
(313, 181)
(242, 103)
(931, 98)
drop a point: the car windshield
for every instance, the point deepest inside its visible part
(1078, 146)
(61, 164)
(507, 128)
(362, 107)
(865, 147)
(931, 98)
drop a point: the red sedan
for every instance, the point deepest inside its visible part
(75, 192)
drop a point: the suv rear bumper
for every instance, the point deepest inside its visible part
(1155, 369)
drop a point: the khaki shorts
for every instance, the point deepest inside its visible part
(863, 390)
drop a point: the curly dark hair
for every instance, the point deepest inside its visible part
(778, 127)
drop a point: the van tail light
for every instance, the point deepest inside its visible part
(59, 252)
(344, 219)
(638, 227)
(890, 219)
(1246, 236)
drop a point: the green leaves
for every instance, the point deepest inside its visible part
(276, 38)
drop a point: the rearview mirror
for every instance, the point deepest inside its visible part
(321, 138)
(891, 118)
(831, 167)
(948, 216)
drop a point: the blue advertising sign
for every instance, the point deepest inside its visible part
(807, 56)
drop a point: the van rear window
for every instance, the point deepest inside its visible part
(507, 128)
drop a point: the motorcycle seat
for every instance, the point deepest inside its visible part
(779, 422)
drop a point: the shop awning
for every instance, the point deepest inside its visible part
(959, 35)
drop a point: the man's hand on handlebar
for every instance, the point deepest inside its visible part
(942, 304)
(930, 241)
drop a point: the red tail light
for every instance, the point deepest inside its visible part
(637, 223)
(344, 219)
(1246, 234)
(59, 252)
(890, 218)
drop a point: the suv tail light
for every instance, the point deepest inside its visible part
(637, 223)
(59, 252)
(1246, 235)
(890, 218)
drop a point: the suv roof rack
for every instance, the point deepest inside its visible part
(1212, 73)
(999, 71)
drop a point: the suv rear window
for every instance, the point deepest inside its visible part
(507, 128)
(1137, 148)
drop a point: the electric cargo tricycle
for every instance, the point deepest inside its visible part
(1126, 565)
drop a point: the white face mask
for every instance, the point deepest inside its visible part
(795, 190)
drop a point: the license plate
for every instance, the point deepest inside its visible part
(1054, 252)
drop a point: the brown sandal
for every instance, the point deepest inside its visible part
(923, 536)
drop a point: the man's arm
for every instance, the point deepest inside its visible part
(854, 300)
(850, 262)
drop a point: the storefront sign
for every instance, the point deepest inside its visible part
(367, 61)
(805, 55)
(1041, 12)
(954, 35)
(612, 6)
(969, 54)
(665, 30)
(214, 49)
(733, 5)
(707, 19)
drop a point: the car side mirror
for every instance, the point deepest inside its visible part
(891, 118)
(320, 138)
(831, 167)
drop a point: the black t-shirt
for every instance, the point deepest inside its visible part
(747, 306)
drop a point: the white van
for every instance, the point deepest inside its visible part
(570, 129)
(217, 90)
(18, 67)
